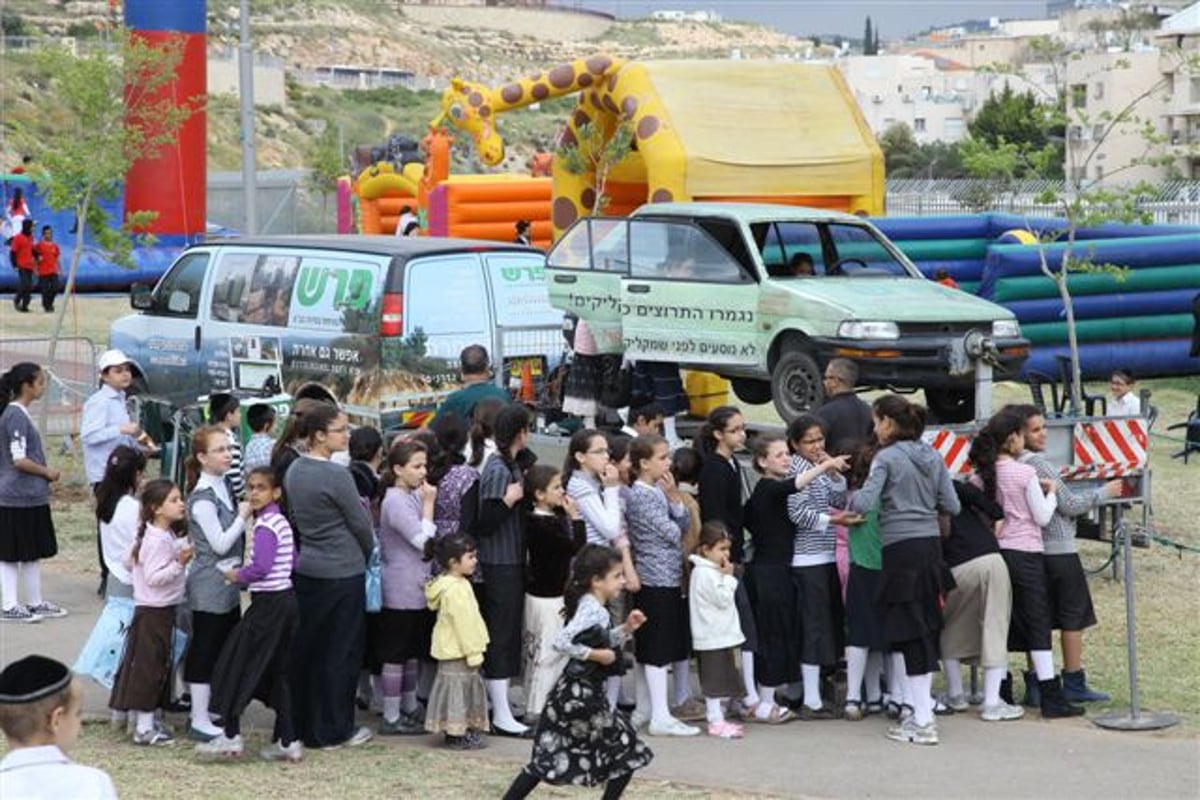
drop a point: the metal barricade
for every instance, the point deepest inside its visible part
(529, 354)
(71, 378)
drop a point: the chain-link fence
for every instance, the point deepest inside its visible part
(283, 200)
(71, 377)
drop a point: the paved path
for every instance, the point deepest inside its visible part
(1029, 758)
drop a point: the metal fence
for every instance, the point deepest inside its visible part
(1176, 202)
(284, 203)
(71, 378)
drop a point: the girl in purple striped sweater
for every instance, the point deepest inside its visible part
(254, 661)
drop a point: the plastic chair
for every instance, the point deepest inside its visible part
(1191, 437)
(1090, 401)
(1039, 382)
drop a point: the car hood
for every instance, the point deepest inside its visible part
(893, 299)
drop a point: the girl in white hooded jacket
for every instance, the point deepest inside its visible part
(716, 631)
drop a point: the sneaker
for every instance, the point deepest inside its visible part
(403, 725)
(691, 710)
(854, 710)
(726, 730)
(203, 736)
(155, 737)
(1001, 712)
(976, 698)
(910, 731)
(220, 747)
(275, 751)
(474, 741)
(47, 610)
(824, 712)
(18, 613)
(360, 737)
(945, 704)
(672, 727)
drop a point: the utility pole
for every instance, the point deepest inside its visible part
(246, 91)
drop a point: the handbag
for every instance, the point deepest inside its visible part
(374, 581)
(596, 638)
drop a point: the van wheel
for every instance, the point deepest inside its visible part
(751, 390)
(951, 405)
(796, 386)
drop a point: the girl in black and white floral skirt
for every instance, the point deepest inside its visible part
(580, 739)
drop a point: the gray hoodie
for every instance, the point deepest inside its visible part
(911, 482)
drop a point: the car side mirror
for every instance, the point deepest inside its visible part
(141, 297)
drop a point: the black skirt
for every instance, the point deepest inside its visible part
(864, 613)
(255, 660)
(1030, 626)
(777, 659)
(659, 381)
(26, 534)
(581, 391)
(580, 740)
(665, 637)
(143, 681)
(745, 609)
(911, 597)
(397, 635)
(1070, 599)
(819, 614)
(502, 603)
(209, 634)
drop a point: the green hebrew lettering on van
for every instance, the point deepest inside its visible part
(353, 287)
(513, 274)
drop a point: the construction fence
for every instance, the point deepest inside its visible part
(71, 378)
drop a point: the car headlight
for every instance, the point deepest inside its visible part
(1006, 329)
(858, 329)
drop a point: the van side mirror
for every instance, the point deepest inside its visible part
(140, 296)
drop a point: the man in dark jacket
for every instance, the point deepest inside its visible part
(846, 416)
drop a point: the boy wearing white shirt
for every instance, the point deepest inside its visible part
(41, 705)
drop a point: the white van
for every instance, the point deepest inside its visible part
(378, 320)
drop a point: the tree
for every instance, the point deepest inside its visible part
(1082, 204)
(325, 165)
(870, 43)
(1023, 121)
(597, 154)
(905, 158)
(100, 115)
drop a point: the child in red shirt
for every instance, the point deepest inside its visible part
(24, 260)
(47, 252)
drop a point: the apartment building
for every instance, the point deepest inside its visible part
(1180, 39)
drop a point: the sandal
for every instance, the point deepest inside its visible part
(778, 716)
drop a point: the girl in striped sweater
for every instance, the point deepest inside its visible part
(818, 592)
(254, 661)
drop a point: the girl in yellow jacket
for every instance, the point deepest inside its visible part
(458, 702)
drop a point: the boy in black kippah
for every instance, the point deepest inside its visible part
(40, 712)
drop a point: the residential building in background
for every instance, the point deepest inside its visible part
(1182, 126)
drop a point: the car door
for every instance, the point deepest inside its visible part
(527, 329)
(688, 298)
(584, 271)
(166, 338)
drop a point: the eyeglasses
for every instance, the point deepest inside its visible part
(601, 452)
(338, 429)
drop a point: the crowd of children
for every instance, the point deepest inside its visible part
(494, 568)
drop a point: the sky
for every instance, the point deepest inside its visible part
(894, 17)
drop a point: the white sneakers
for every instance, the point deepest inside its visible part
(220, 746)
(672, 727)
(275, 751)
(1002, 712)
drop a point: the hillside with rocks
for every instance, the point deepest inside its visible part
(486, 44)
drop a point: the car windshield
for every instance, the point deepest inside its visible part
(805, 250)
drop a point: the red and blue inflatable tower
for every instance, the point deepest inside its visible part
(174, 183)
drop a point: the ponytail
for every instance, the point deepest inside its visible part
(199, 445)
(154, 494)
(716, 422)
(120, 479)
(988, 445)
(482, 428)
(909, 418)
(592, 562)
(21, 374)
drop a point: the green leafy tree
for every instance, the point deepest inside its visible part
(325, 165)
(904, 157)
(596, 153)
(1021, 120)
(89, 131)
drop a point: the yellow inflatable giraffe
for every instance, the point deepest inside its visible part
(611, 92)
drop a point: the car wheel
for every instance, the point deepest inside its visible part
(796, 385)
(751, 390)
(950, 406)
